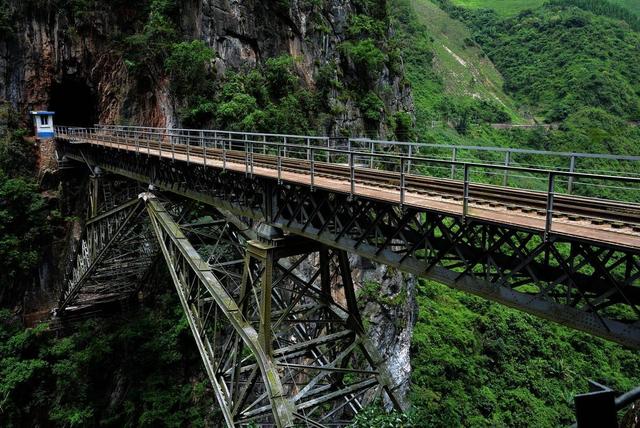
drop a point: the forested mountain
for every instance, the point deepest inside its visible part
(512, 7)
(476, 363)
(561, 59)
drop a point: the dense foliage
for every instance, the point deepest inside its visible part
(138, 371)
(25, 218)
(604, 8)
(270, 98)
(477, 363)
(562, 59)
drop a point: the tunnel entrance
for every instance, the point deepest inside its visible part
(74, 102)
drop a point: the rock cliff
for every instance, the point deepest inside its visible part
(57, 55)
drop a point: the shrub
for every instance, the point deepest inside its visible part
(366, 56)
(371, 107)
(187, 67)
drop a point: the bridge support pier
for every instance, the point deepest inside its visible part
(275, 320)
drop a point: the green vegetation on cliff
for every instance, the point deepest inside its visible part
(26, 221)
(142, 370)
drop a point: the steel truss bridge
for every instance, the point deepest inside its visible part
(256, 232)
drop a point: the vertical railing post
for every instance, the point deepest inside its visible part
(188, 157)
(454, 158)
(173, 148)
(285, 147)
(572, 169)
(251, 156)
(410, 156)
(550, 200)
(372, 152)
(465, 193)
(204, 151)
(148, 145)
(224, 156)
(312, 167)
(328, 150)
(308, 148)
(402, 182)
(352, 167)
(246, 156)
(279, 165)
(507, 163)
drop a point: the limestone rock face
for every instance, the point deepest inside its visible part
(54, 53)
(390, 314)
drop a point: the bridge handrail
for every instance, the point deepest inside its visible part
(556, 172)
(500, 167)
(404, 162)
(393, 143)
(606, 156)
(367, 145)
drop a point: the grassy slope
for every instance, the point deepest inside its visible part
(464, 70)
(511, 7)
(477, 363)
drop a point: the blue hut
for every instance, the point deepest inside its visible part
(43, 121)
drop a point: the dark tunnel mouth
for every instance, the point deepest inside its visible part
(74, 102)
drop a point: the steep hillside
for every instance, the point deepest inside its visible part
(511, 7)
(453, 86)
(477, 363)
(465, 71)
(564, 59)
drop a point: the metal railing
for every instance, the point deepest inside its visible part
(566, 161)
(394, 165)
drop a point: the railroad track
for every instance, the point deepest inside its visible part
(596, 211)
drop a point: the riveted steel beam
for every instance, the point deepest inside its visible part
(186, 267)
(576, 281)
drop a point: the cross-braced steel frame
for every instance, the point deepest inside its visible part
(275, 321)
(115, 250)
(279, 346)
(579, 282)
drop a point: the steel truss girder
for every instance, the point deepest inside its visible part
(303, 345)
(115, 250)
(580, 283)
(196, 283)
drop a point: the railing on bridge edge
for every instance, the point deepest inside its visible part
(361, 154)
(452, 152)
